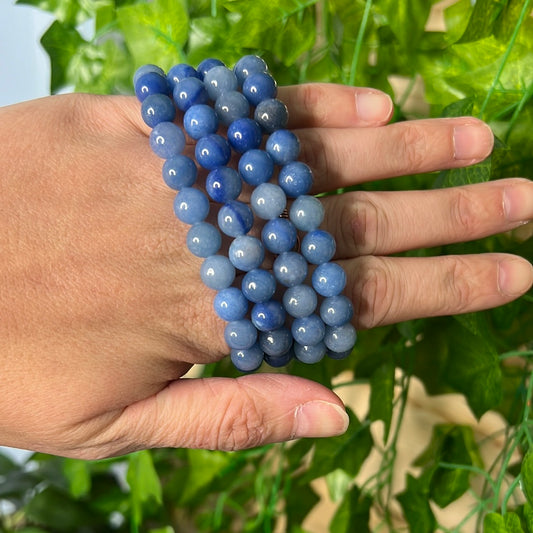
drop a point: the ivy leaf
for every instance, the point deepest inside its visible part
(482, 20)
(382, 395)
(298, 504)
(496, 523)
(415, 504)
(338, 483)
(526, 471)
(353, 513)
(79, 477)
(65, 11)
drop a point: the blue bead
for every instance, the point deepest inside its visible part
(279, 361)
(157, 108)
(179, 171)
(223, 184)
(207, 64)
(279, 235)
(217, 272)
(191, 205)
(295, 179)
(300, 301)
(259, 86)
(230, 304)
(306, 213)
(240, 334)
(244, 134)
(290, 269)
(203, 239)
(189, 92)
(272, 115)
(341, 338)
(247, 360)
(200, 120)
(151, 83)
(218, 80)
(256, 167)
(267, 316)
(235, 218)
(329, 279)
(338, 355)
(212, 151)
(181, 71)
(145, 69)
(283, 147)
(246, 253)
(258, 285)
(308, 330)
(167, 140)
(231, 106)
(318, 246)
(310, 354)
(276, 342)
(247, 65)
(268, 201)
(336, 310)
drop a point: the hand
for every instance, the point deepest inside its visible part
(101, 306)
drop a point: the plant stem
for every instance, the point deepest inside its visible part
(359, 42)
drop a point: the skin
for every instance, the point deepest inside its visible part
(102, 309)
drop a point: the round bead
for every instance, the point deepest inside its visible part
(230, 304)
(167, 140)
(179, 171)
(295, 179)
(272, 115)
(246, 253)
(207, 64)
(290, 269)
(276, 342)
(191, 205)
(217, 272)
(279, 361)
(212, 151)
(318, 246)
(188, 92)
(336, 310)
(258, 285)
(308, 330)
(151, 83)
(203, 239)
(279, 235)
(223, 184)
(200, 120)
(259, 86)
(218, 80)
(283, 147)
(144, 69)
(244, 134)
(341, 338)
(256, 167)
(157, 108)
(240, 334)
(180, 71)
(310, 354)
(300, 301)
(230, 106)
(267, 316)
(306, 213)
(235, 218)
(247, 65)
(268, 201)
(338, 355)
(329, 279)
(247, 360)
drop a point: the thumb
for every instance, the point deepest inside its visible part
(233, 414)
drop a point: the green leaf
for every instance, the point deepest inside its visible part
(526, 471)
(298, 504)
(338, 483)
(65, 11)
(79, 477)
(415, 505)
(512, 523)
(382, 395)
(494, 523)
(482, 20)
(353, 513)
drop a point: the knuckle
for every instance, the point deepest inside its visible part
(457, 292)
(465, 213)
(413, 146)
(363, 228)
(312, 98)
(314, 156)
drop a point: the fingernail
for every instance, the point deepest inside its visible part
(320, 419)
(515, 276)
(518, 201)
(373, 107)
(472, 142)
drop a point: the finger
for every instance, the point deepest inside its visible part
(317, 105)
(390, 290)
(382, 223)
(344, 157)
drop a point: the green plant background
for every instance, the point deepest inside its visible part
(479, 62)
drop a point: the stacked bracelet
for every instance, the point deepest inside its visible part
(275, 314)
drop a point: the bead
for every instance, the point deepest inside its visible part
(231, 106)
(145, 69)
(167, 140)
(180, 71)
(268, 201)
(191, 205)
(244, 134)
(218, 80)
(157, 108)
(235, 218)
(329, 279)
(203, 239)
(230, 304)
(318, 246)
(279, 235)
(217, 272)
(246, 253)
(259, 86)
(308, 330)
(267, 316)
(272, 115)
(256, 167)
(212, 151)
(240, 334)
(200, 120)
(306, 213)
(300, 301)
(290, 269)
(336, 310)
(279, 361)
(338, 355)
(247, 65)
(258, 285)
(223, 184)
(189, 92)
(283, 147)
(295, 179)
(341, 338)
(179, 171)
(276, 342)
(151, 83)
(247, 360)
(207, 64)
(309, 354)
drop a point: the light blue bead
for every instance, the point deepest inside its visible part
(290, 269)
(179, 171)
(306, 213)
(329, 279)
(279, 235)
(258, 285)
(246, 253)
(207, 64)
(223, 184)
(217, 272)
(244, 134)
(188, 92)
(235, 218)
(310, 354)
(203, 239)
(240, 334)
(191, 205)
(295, 179)
(157, 108)
(308, 330)
(144, 69)
(151, 83)
(336, 310)
(212, 151)
(218, 80)
(341, 338)
(271, 114)
(248, 64)
(300, 301)
(267, 316)
(276, 342)
(247, 360)
(318, 246)
(256, 167)
(230, 106)
(200, 120)
(180, 71)
(167, 140)
(283, 147)
(259, 86)
(268, 201)
(230, 304)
